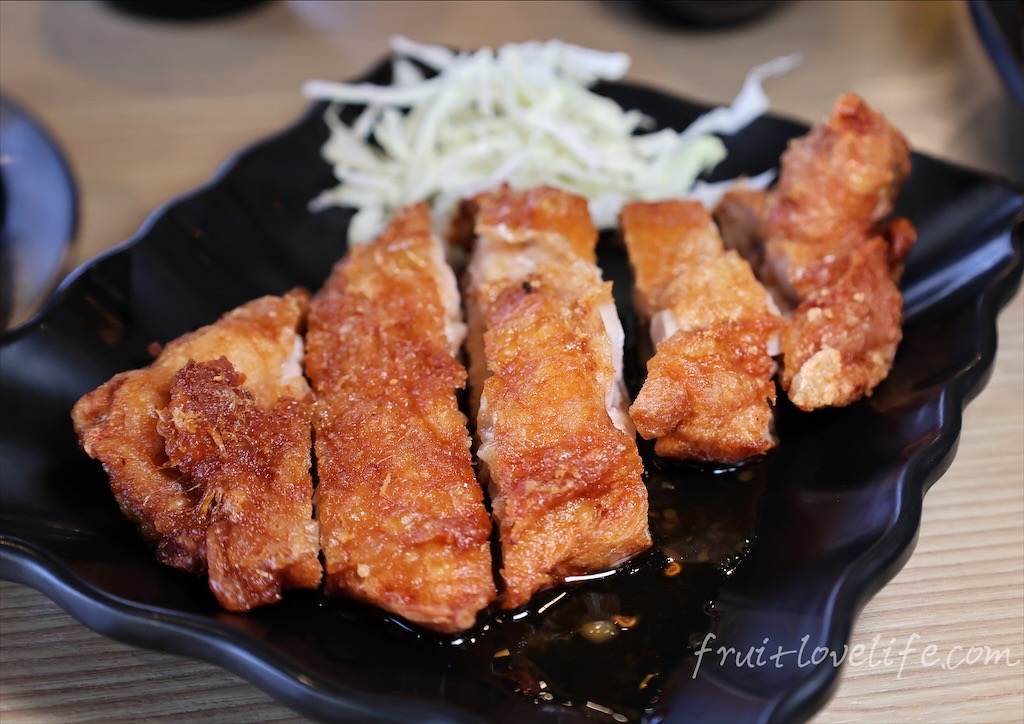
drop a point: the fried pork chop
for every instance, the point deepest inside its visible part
(403, 519)
(510, 233)
(208, 450)
(709, 392)
(817, 241)
(557, 447)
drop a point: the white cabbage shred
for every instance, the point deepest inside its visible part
(522, 115)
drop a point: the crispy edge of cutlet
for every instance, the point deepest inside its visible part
(252, 465)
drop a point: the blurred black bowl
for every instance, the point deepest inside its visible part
(711, 13)
(38, 213)
(182, 9)
(1000, 27)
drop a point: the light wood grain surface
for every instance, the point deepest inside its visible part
(147, 110)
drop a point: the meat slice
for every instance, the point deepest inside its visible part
(841, 340)
(403, 520)
(510, 233)
(709, 392)
(251, 465)
(556, 447)
(208, 449)
(820, 242)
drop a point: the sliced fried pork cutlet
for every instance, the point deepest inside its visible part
(510, 233)
(836, 185)
(557, 447)
(709, 392)
(403, 520)
(819, 240)
(208, 451)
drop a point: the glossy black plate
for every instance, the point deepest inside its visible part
(835, 510)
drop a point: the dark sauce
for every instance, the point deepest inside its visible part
(607, 643)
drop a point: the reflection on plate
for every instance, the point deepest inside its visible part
(38, 213)
(836, 508)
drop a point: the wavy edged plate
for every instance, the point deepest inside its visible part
(838, 517)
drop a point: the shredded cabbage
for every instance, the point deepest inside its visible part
(522, 115)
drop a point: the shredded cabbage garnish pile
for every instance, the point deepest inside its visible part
(522, 115)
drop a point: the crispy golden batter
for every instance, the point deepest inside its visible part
(251, 466)
(837, 183)
(542, 216)
(805, 237)
(510, 233)
(141, 432)
(841, 178)
(709, 392)
(665, 239)
(402, 516)
(720, 289)
(559, 453)
(567, 489)
(842, 339)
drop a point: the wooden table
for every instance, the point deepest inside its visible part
(147, 110)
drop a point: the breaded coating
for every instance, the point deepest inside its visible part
(836, 184)
(541, 216)
(709, 393)
(228, 383)
(842, 339)
(558, 450)
(841, 178)
(804, 236)
(251, 466)
(567, 489)
(665, 239)
(511, 232)
(403, 521)
(721, 289)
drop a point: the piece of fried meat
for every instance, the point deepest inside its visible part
(208, 451)
(403, 520)
(709, 391)
(556, 446)
(820, 241)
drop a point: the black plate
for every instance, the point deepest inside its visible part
(838, 505)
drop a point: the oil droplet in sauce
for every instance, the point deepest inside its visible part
(598, 632)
